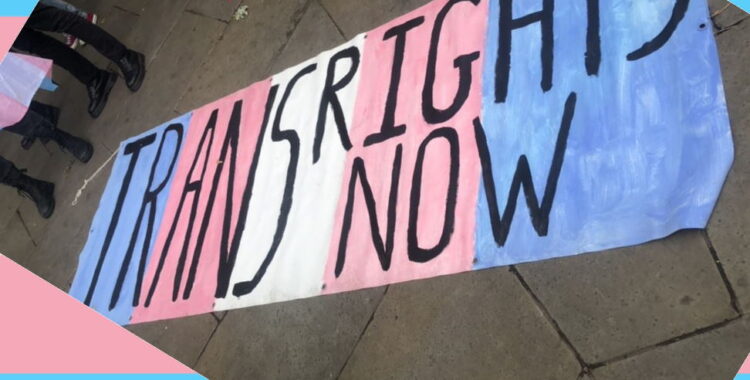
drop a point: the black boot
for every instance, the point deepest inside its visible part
(133, 67)
(79, 148)
(99, 89)
(41, 192)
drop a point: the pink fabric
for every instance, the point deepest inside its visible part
(11, 111)
(45, 331)
(20, 78)
(202, 296)
(9, 28)
(362, 267)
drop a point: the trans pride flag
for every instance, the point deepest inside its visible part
(465, 135)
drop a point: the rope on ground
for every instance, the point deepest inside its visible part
(87, 180)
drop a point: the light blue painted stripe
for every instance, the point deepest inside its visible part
(16, 8)
(193, 376)
(742, 376)
(742, 4)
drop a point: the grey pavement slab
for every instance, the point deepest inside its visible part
(716, 354)
(156, 21)
(182, 339)
(220, 10)
(466, 326)
(243, 54)
(8, 205)
(309, 338)
(167, 77)
(134, 6)
(354, 17)
(618, 301)
(728, 228)
(314, 34)
(16, 243)
(725, 13)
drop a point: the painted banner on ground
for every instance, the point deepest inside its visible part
(465, 135)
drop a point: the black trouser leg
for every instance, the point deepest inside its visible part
(5, 169)
(51, 19)
(36, 123)
(40, 44)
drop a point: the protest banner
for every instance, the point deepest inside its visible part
(465, 135)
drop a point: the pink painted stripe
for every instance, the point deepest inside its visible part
(9, 28)
(463, 33)
(202, 297)
(45, 331)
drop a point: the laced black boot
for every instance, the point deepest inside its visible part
(133, 67)
(41, 192)
(99, 90)
(78, 147)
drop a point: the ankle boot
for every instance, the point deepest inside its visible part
(41, 192)
(99, 90)
(79, 148)
(133, 67)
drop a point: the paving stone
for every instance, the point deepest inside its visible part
(117, 22)
(167, 77)
(244, 52)
(615, 302)
(475, 325)
(15, 243)
(156, 21)
(309, 338)
(726, 13)
(730, 224)
(314, 34)
(354, 17)
(220, 10)
(182, 339)
(135, 6)
(9, 201)
(717, 354)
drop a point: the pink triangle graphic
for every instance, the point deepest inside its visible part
(45, 331)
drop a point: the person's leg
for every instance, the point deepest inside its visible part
(41, 192)
(98, 82)
(35, 124)
(64, 5)
(40, 44)
(5, 168)
(71, 41)
(51, 19)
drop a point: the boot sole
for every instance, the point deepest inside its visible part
(107, 89)
(86, 157)
(51, 210)
(136, 85)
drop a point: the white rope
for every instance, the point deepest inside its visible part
(87, 180)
